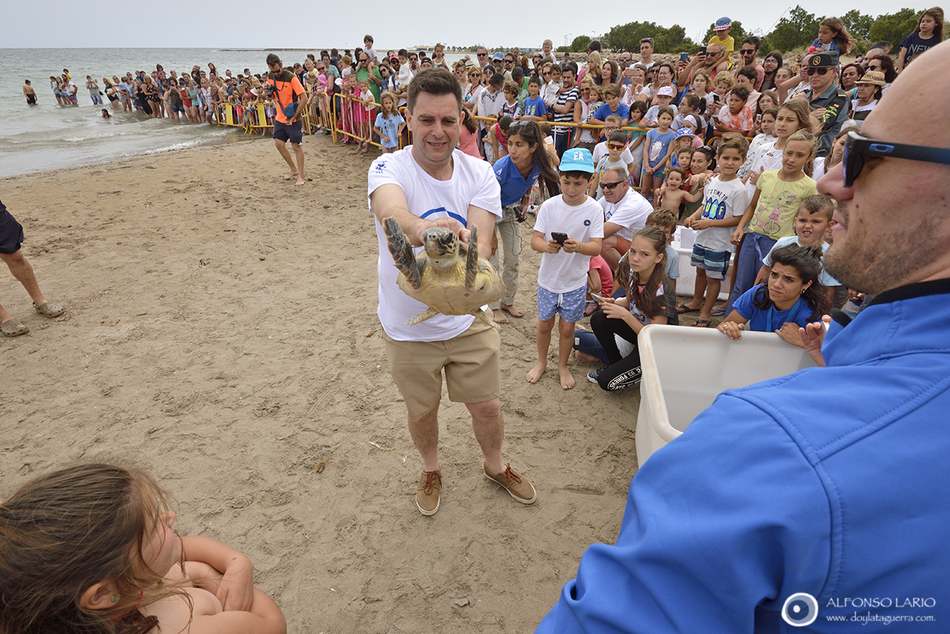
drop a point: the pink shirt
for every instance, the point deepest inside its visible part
(468, 143)
(599, 264)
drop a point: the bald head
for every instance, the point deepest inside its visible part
(893, 224)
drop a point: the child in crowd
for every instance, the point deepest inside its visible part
(534, 108)
(767, 100)
(510, 107)
(364, 112)
(771, 213)
(600, 281)
(929, 33)
(682, 143)
(791, 117)
(642, 304)
(614, 159)
(585, 107)
(93, 548)
(812, 223)
(468, 136)
(725, 200)
(663, 100)
(665, 219)
(498, 138)
(568, 231)
(613, 106)
(832, 36)
(671, 194)
(765, 124)
(689, 107)
(793, 296)
(389, 123)
(681, 158)
(701, 162)
(656, 151)
(737, 114)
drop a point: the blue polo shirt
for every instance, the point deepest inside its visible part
(513, 185)
(770, 319)
(604, 111)
(830, 481)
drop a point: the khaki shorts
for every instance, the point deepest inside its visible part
(470, 363)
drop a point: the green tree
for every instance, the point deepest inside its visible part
(893, 27)
(794, 30)
(736, 31)
(858, 24)
(665, 40)
(579, 44)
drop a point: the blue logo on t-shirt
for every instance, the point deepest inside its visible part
(587, 222)
(450, 214)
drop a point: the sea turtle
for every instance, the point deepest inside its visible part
(448, 276)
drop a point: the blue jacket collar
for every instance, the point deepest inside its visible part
(904, 320)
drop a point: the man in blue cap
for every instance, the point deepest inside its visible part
(828, 102)
(818, 499)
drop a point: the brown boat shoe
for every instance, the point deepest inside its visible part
(429, 493)
(517, 486)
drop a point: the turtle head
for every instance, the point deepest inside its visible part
(441, 245)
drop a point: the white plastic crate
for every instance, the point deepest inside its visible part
(684, 369)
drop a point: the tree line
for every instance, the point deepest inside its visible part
(794, 30)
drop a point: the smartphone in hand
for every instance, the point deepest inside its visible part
(558, 237)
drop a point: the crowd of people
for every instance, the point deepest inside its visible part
(728, 148)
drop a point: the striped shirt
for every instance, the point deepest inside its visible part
(564, 97)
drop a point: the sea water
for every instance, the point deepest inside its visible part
(47, 136)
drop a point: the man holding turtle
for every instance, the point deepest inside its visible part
(431, 184)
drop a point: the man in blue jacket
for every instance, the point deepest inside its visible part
(820, 499)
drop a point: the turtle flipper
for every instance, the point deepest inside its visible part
(426, 314)
(471, 259)
(401, 250)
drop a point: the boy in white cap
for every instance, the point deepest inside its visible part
(568, 231)
(722, 37)
(663, 99)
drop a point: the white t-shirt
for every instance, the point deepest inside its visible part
(473, 183)
(403, 77)
(766, 157)
(630, 212)
(600, 151)
(549, 93)
(721, 199)
(489, 103)
(650, 118)
(563, 272)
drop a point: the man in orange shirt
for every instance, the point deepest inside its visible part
(290, 100)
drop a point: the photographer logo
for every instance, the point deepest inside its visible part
(800, 609)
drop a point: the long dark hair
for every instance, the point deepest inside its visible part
(807, 261)
(887, 67)
(647, 300)
(531, 133)
(69, 529)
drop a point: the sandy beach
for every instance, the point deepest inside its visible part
(222, 333)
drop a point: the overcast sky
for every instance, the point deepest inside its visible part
(321, 24)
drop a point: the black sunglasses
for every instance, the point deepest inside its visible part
(858, 149)
(481, 54)
(814, 71)
(606, 186)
